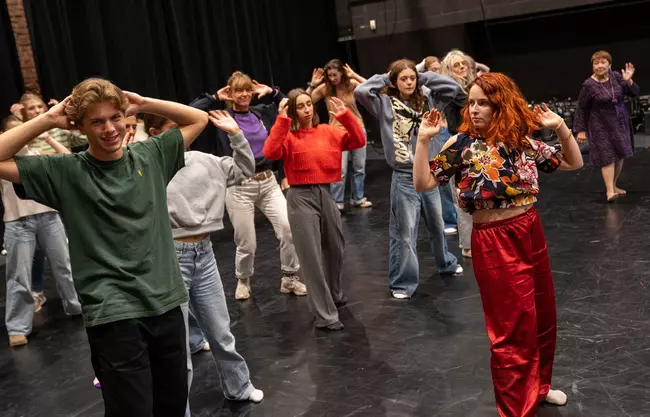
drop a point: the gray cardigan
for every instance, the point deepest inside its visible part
(439, 90)
(196, 195)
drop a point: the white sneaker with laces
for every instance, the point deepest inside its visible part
(243, 291)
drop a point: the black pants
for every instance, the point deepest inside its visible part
(142, 365)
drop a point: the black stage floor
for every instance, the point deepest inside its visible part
(424, 357)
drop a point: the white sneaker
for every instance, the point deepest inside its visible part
(243, 291)
(556, 397)
(459, 270)
(451, 231)
(399, 295)
(206, 347)
(256, 396)
(291, 284)
(340, 206)
(4, 252)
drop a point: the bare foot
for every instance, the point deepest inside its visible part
(611, 197)
(620, 191)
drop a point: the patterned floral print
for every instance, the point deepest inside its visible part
(493, 176)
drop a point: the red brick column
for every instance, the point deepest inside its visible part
(23, 44)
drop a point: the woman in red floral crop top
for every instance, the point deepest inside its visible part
(495, 164)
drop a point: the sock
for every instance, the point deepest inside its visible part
(256, 396)
(556, 397)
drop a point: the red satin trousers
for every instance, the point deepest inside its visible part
(513, 272)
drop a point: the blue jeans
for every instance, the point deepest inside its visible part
(358, 177)
(448, 207)
(21, 237)
(208, 304)
(406, 205)
(38, 271)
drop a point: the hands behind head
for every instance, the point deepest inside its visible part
(223, 120)
(17, 110)
(546, 118)
(337, 105)
(261, 90)
(136, 101)
(317, 76)
(282, 109)
(57, 116)
(430, 126)
(224, 94)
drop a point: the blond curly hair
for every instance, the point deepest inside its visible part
(93, 91)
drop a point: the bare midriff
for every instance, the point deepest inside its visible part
(493, 215)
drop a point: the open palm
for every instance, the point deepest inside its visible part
(430, 125)
(222, 120)
(546, 118)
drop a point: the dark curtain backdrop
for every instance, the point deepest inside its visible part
(12, 79)
(177, 49)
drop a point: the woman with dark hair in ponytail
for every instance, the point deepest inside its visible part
(397, 100)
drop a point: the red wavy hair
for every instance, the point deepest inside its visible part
(512, 119)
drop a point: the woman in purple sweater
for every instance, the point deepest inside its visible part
(601, 118)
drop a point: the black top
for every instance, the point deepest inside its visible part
(216, 142)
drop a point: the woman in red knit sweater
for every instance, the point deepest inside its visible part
(312, 160)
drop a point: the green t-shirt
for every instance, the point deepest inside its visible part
(115, 213)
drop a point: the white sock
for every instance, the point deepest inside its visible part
(256, 396)
(556, 397)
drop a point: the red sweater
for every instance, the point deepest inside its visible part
(313, 156)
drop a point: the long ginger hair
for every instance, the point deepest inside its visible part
(512, 120)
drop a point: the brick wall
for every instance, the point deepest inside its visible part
(23, 44)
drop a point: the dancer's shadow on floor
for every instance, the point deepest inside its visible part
(347, 375)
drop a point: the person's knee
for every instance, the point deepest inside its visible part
(284, 233)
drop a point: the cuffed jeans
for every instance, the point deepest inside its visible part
(406, 205)
(241, 201)
(358, 177)
(21, 237)
(208, 305)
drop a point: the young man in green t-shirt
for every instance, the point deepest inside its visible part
(113, 203)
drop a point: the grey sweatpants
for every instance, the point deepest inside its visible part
(316, 228)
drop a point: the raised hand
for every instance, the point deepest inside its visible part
(136, 101)
(317, 76)
(56, 115)
(53, 102)
(282, 109)
(338, 106)
(261, 90)
(349, 71)
(628, 72)
(546, 118)
(223, 120)
(17, 110)
(430, 125)
(129, 138)
(224, 94)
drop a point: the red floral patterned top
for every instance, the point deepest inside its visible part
(493, 176)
